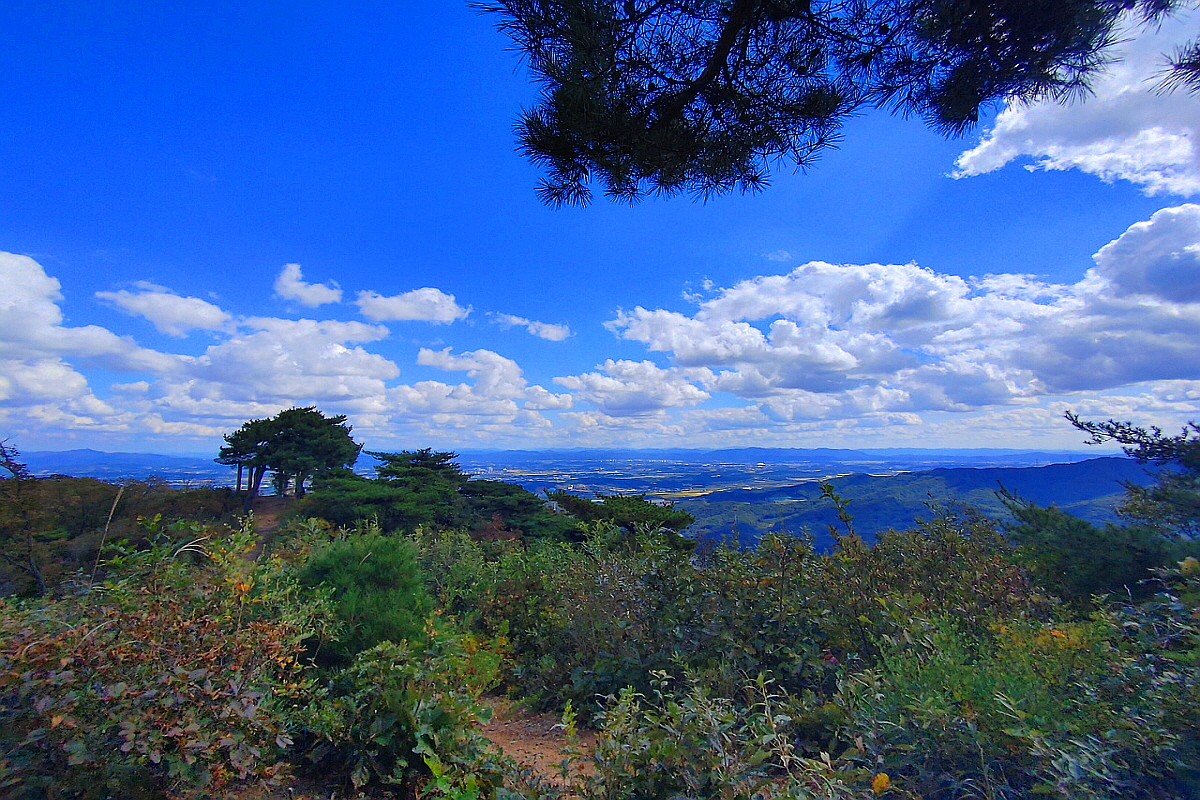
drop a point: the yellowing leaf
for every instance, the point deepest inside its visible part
(881, 782)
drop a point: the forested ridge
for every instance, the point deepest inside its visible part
(159, 642)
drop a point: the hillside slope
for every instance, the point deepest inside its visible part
(1090, 489)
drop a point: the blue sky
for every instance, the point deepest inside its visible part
(209, 214)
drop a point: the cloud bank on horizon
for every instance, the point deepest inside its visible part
(785, 357)
(844, 346)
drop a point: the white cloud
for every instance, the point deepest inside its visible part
(259, 366)
(634, 388)
(840, 341)
(279, 360)
(30, 298)
(494, 375)
(31, 326)
(544, 330)
(498, 404)
(39, 381)
(1125, 130)
(426, 304)
(596, 427)
(290, 285)
(169, 312)
(496, 378)
(1159, 257)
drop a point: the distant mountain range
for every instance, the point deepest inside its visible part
(741, 492)
(1090, 489)
(123, 466)
(127, 466)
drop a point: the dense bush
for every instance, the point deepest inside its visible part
(424, 489)
(375, 587)
(586, 621)
(167, 679)
(57, 524)
(405, 716)
(955, 563)
(1076, 560)
(925, 665)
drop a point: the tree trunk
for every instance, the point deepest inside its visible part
(252, 487)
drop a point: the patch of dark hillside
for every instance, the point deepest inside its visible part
(1089, 489)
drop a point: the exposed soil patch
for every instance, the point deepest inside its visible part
(536, 741)
(268, 511)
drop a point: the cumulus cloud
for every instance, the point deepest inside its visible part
(290, 285)
(32, 329)
(279, 360)
(171, 313)
(845, 340)
(1159, 257)
(40, 381)
(495, 376)
(258, 366)
(544, 330)
(635, 388)
(426, 305)
(498, 402)
(1125, 130)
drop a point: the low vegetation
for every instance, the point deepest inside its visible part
(955, 659)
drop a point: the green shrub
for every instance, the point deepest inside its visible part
(1075, 560)
(165, 680)
(407, 717)
(955, 564)
(1035, 709)
(685, 742)
(375, 586)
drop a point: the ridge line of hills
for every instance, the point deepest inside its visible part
(739, 492)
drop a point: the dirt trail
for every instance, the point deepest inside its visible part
(532, 740)
(536, 741)
(267, 513)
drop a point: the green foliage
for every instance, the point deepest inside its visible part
(586, 621)
(1032, 709)
(406, 717)
(504, 510)
(296, 444)
(421, 468)
(681, 96)
(682, 741)
(375, 587)
(624, 511)
(956, 563)
(53, 527)
(690, 744)
(1075, 560)
(344, 498)
(424, 489)
(924, 665)
(166, 679)
(1172, 502)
